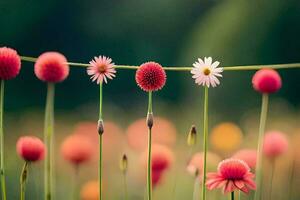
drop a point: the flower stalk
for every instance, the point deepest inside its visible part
(23, 179)
(205, 142)
(100, 131)
(232, 195)
(49, 141)
(149, 167)
(262, 125)
(2, 168)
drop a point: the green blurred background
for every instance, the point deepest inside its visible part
(171, 32)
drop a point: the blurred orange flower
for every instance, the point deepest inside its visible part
(90, 191)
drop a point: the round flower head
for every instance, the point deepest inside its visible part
(206, 72)
(10, 63)
(275, 144)
(101, 69)
(150, 76)
(90, 191)
(266, 81)
(30, 148)
(233, 174)
(51, 67)
(77, 149)
(247, 155)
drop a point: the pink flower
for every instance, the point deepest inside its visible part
(266, 81)
(101, 68)
(10, 63)
(233, 174)
(247, 155)
(275, 144)
(30, 148)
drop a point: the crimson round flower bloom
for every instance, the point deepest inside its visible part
(150, 76)
(233, 174)
(51, 67)
(30, 148)
(77, 149)
(10, 63)
(275, 144)
(247, 155)
(266, 81)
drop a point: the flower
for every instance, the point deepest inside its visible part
(150, 76)
(233, 174)
(51, 67)
(77, 149)
(10, 63)
(266, 81)
(90, 191)
(275, 144)
(30, 148)
(156, 177)
(206, 72)
(164, 132)
(226, 137)
(195, 165)
(101, 68)
(247, 155)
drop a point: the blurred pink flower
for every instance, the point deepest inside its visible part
(233, 174)
(30, 148)
(266, 81)
(101, 68)
(247, 155)
(275, 144)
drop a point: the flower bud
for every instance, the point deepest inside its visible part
(192, 136)
(100, 127)
(150, 120)
(124, 164)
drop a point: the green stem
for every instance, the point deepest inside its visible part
(196, 188)
(262, 125)
(205, 137)
(149, 168)
(183, 68)
(125, 186)
(232, 195)
(48, 138)
(271, 178)
(2, 168)
(100, 141)
(75, 188)
(23, 179)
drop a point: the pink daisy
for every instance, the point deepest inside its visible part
(233, 174)
(101, 68)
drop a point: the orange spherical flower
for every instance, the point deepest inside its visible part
(275, 144)
(163, 132)
(226, 137)
(233, 174)
(195, 165)
(10, 63)
(90, 191)
(247, 155)
(150, 76)
(51, 67)
(30, 148)
(77, 149)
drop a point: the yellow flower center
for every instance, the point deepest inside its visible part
(206, 71)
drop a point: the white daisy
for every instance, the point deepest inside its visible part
(206, 72)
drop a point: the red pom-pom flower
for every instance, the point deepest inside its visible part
(10, 63)
(51, 67)
(31, 148)
(150, 76)
(266, 81)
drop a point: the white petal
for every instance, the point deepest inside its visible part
(215, 64)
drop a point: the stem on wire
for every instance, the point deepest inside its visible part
(149, 167)
(183, 68)
(23, 179)
(100, 140)
(205, 137)
(2, 167)
(262, 125)
(48, 138)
